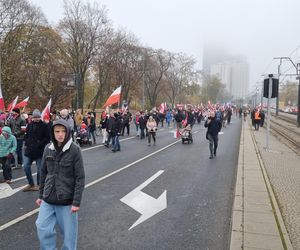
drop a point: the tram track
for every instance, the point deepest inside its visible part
(286, 134)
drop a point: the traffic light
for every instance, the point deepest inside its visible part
(275, 86)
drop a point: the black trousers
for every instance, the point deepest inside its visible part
(6, 168)
(151, 134)
(127, 126)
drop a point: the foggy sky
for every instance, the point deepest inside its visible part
(259, 29)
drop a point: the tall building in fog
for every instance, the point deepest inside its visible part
(213, 54)
(232, 70)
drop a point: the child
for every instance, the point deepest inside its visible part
(8, 145)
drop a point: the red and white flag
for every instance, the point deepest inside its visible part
(162, 108)
(46, 112)
(114, 97)
(12, 105)
(23, 103)
(2, 106)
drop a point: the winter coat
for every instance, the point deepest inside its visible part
(62, 175)
(15, 125)
(104, 123)
(36, 138)
(142, 122)
(169, 116)
(151, 126)
(7, 146)
(214, 127)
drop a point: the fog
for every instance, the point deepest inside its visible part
(258, 29)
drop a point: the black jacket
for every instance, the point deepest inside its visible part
(36, 138)
(62, 174)
(142, 122)
(214, 127)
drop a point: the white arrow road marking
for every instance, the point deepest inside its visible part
(6, 190)
(143, 203)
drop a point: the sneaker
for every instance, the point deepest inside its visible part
(19, 166)
(215, 154)
(211, 157)
(27, 188)
(35, 188)
(8, 181)
(3, 181)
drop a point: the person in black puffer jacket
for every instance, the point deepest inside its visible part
(213, 126)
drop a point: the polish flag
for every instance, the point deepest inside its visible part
(23, 103)
(114, 97)
(11, 106)
(2, 106)
(162, 108)
(46, 112)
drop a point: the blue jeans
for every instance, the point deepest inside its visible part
(67, 222)
(116, 143)
(27, 169)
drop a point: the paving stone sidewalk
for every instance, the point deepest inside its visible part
(283, 169)
(257, 221)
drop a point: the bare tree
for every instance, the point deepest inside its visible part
(157, 62)
(180, 73)
(82, 27)
(128, 68)
(17, 17)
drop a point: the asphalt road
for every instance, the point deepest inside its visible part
(199, 196)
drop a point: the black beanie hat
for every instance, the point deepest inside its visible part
(17, 110)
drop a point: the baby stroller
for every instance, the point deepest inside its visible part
(186, 134)
(82, 137)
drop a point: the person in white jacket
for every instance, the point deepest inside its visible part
(152, 128)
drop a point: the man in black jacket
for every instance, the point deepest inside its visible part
(213, 126)
(61, 187)
(36, 138)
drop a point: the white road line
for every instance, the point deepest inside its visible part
(25, 216)
(21, 178)
(17, 220)
(129, 165)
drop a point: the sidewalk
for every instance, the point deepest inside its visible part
(257, 221)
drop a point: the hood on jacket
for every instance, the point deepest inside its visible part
(64, 123)
(6, 129)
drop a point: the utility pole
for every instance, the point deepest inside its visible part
(277, 98)
(297, 67)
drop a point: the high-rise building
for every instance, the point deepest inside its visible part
(232, 70)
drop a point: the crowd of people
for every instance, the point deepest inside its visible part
(53, 144)
(28, 130)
